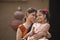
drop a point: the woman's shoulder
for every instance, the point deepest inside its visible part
(20, 25)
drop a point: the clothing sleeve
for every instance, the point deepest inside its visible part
(23, 30)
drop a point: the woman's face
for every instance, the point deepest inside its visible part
(40, 17)
(32, 16)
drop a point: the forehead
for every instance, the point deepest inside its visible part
(39, 13)
(33, 13)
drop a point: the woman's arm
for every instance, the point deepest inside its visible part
(29, 34)
(18, 34)
(38, 35)
(48, 35)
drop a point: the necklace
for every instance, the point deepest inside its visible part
(26, 25)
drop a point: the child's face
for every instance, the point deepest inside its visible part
(40, 17)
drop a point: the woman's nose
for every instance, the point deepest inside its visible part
(34, 17)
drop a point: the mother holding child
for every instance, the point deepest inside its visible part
(38, 21)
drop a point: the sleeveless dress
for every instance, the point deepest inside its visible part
(38, 26)
(23, 30)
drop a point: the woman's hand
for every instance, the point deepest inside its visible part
(48, 35)
(31, 38)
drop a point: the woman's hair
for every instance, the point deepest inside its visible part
(31, 10)
(45, 12)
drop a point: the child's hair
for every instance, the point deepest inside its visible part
(45, 12)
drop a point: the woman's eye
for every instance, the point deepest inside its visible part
(33, 14)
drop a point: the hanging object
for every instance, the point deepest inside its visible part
(42, 0)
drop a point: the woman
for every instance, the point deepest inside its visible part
(40, 29)
(23, 28)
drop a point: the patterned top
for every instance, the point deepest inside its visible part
(23, 30)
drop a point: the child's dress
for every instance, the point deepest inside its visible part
(38, 26)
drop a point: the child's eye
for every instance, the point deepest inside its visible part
(40, 15)
(33, 14)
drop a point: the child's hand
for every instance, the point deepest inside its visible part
(23, 39)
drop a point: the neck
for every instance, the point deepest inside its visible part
(43, 22)
(28, 22)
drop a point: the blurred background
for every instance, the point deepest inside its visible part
(8, 7)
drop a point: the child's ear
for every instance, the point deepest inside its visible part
(44, 16)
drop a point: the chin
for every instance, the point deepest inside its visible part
(32, 21)
(39, 21)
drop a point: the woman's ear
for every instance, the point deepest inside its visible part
(27, 14)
